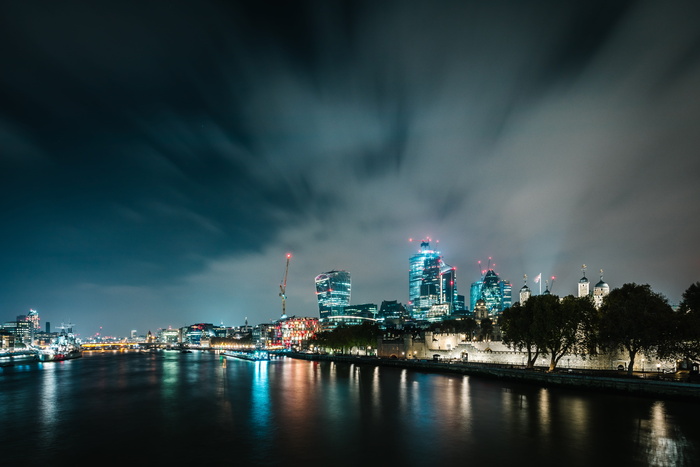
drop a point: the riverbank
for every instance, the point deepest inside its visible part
(588, 381)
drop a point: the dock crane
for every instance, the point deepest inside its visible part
(283, 288)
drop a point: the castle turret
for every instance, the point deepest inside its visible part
(524, 291)
(600, 290)
(583, 284)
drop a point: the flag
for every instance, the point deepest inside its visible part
(537, 279)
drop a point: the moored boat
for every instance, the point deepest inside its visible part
(10, 358)
(50, 355)
(256, 355)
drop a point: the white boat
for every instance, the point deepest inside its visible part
(255, 355)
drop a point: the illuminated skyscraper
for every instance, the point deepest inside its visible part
(449, 288)
(333, 292)
(33, 317)
(432, 283)
(506, 294)
(496, 293)
(428, 259)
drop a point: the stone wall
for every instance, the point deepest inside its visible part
(450, 346)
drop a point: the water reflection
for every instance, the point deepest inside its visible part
(48, 404)
(665, 444)
(544, 408)
(296, 412)
(168, 372)
(260, 409)
(376, 393)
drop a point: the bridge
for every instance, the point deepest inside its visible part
(126, 345)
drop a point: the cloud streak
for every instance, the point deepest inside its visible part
(176, 155)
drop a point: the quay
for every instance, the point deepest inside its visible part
(588, 380)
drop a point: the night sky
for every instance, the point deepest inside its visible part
(158, 160)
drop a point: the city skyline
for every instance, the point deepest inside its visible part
(158, 162)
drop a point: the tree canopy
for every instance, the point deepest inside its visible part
(344, 337)
(517, 327)
(558, 325)
(635, 319)
(685, 344)
(550, 326)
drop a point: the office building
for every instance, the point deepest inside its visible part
(495, 292)
(333, 292)
(432, 285)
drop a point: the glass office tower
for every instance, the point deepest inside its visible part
(426, 259)
(333, 292)
(431, 282)
(496, 293)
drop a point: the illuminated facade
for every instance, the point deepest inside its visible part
(583, 284)
(33, 318)
(21, 330)
(392, 309)
(333, 322)
(600, 290)
(432, 284)
(524, 292)
(169, 336)
(333, 292)
(196, 333)
(294, 333)
(496, 293)
(366, 310)
(422, 274)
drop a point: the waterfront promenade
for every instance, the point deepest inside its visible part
(638, 384)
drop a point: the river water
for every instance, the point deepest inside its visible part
(194, 409)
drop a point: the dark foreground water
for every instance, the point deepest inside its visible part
(189, 409)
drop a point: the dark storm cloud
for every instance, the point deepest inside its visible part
(160, 159)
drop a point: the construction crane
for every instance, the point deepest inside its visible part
(283, 288)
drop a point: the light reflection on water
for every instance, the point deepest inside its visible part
(260, 408)
(49, 404)
(270, 413)
(665, 444)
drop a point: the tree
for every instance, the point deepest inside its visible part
(464, 326)
(365, 334)
(346, 336)
(635, 319)
(684, 342)
(485, 329)
(516, 326)
(558, 325)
